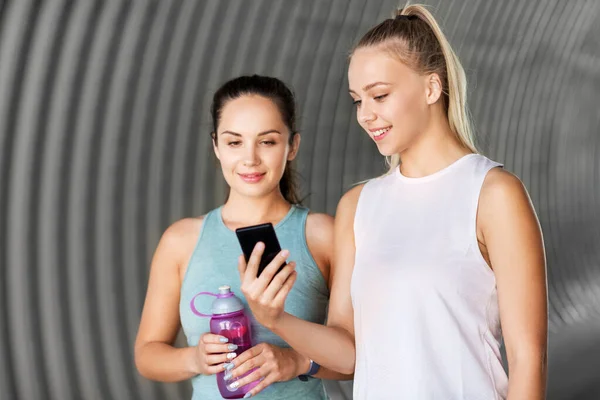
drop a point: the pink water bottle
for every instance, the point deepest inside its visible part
(228, 319)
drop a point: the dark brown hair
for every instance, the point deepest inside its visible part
(274, 90)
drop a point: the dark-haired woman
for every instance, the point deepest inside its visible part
(255, 139)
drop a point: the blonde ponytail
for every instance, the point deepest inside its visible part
(415, 37)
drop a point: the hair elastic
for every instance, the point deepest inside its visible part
(406, 17)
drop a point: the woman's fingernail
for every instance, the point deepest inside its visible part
(285, 253)
(235, 385)
(232, 347)
(223, 340)
(248, 395)
(228, 366)
(227, 376)
(231, 356)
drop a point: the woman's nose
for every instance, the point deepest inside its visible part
(251, 157)
(365, 114)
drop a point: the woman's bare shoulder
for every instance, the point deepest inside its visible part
(179, 241)
(349, 200)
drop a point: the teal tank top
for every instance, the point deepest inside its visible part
(214, 263)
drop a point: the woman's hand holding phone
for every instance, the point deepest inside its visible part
(266, 294)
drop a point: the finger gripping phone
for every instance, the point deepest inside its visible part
(249, 236)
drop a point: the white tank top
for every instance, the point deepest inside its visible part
(425, 304)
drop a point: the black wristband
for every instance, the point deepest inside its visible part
(314, 368)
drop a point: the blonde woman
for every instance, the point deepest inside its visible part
(432, 258)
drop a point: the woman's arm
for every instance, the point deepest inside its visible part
(320, 240)
(332, 346)
(155, 356)
(273, 364)
(512, 240)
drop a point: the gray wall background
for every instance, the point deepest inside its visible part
(104, 141)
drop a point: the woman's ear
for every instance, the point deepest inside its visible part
(433, 88)
(294, 147)
(215, 147)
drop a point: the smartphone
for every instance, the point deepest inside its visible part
(249, 236)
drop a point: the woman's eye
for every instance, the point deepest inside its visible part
(356, 102)
(379, 98)
(234, 144)
(268, 142)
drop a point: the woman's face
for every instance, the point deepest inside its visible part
(252, 144)
(392, 101)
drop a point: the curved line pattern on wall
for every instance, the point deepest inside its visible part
(104, 142)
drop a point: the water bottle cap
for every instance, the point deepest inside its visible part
(226, 302)
(224, 289)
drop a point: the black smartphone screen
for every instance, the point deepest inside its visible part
(249, 236)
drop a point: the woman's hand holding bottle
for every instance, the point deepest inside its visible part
(213, 354)
(270, 363)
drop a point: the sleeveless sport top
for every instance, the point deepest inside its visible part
(214, 263)
(425, 304)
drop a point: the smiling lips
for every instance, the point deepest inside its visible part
(252, 178)
(380, 133)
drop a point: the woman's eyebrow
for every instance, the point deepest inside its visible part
(371, 86)
(260, 134)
